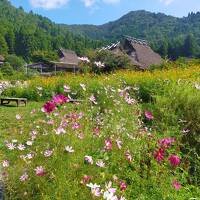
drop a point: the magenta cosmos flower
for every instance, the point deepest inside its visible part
(159, 154)
(49, 107)
(40, 171)
(166, 142)
(174, 160)
(148, 115)
(60, 99)
(176, 185)
(123, 185)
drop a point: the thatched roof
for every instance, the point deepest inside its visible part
(139, 52)
(68, 57)
(1, 58)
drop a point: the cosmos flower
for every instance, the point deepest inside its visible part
(128, 156)
(174, 160)
(176, 185)
(119, 143)
(85, 179)
(49, 107)
(60, 130)
(40, 171)
(18, 116)
(166, 142)
(123, 185)
(95, 189)
(60, 99)
(100, 163)
(11, 146)
(148, 115)
(159, 154)
(48, 153)
(88, 159)
(29, 143)
(108, 144)
(23, 177)
(5, 163)
(83, 86)
(69, 149)
(21, 147)
(96, 131)
(67, 88)
(76, 126)
(93, 99)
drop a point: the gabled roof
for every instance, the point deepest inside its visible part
(139, 52)
(68, 57)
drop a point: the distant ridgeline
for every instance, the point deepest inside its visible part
(23, 33)
(167, 35)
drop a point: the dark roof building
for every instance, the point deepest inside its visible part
(139, 52)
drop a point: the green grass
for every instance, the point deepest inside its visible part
(144, 176)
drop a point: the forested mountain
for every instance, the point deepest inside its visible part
(24, 33)
(165, 33)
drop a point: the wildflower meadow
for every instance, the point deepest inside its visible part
(128, 135)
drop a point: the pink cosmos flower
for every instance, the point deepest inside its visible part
(40, 171)
(60, 130)
(123, 185)
(95, 189)
(176, 185)
(76, 126)
(159, 154)
(96, 131)
(85, 179)
(49, 107)
(174, 160)
(48, 153)
(60, 99)
(5, 163)
(100, 163)
(148, 115)
(11, 146)
(23, 177)
(88, 159)
(80, 136)
(108, 144)
(166, 142)
(128, 156)
(93, 99)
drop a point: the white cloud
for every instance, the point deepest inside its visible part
(48, 4)
(166, 2)
(88, 3)
(111, 1)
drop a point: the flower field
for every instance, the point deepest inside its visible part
(134, 135)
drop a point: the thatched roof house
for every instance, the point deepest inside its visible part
(68, 61)
(138, 51)
(2, 59)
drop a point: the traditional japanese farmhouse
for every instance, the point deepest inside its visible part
(68, 61)
(138, 51)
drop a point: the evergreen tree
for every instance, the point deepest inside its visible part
(190, 46)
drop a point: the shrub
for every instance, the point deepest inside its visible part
(16, 62)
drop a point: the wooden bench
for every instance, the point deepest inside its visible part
(6, 101)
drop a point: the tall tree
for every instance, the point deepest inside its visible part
(190, 46)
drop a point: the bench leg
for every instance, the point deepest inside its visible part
(17, 103)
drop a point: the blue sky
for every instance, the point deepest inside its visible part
(102, 11)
